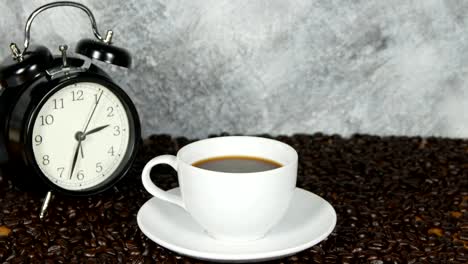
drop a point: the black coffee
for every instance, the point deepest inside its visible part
(237, 164)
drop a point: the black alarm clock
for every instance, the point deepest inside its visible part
(65, 125)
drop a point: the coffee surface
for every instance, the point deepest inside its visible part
(237, 164)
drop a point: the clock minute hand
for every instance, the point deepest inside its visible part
(94, 130)
(80, 139)
(75, 157)
(92, 113)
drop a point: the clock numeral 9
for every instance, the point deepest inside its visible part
(45, 160)
(58, 103)
(46, 120)
(38, 140)
(99, 167)
(80, 175)
(77, 95)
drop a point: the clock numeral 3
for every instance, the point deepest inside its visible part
(45, 160)
(46, 120)
(116, 130)
(99, 167)
(77, 95)
(80, 175)
(38, 140)
(58, 103)
(60, 171)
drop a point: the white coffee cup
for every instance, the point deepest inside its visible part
(231, 206)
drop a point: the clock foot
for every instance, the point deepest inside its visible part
(45, 204)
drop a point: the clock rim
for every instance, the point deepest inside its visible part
(134, 132)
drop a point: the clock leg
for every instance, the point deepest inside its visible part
(45, 204)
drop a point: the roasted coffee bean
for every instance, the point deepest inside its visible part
(90, 253)
(101, 241)
(398, 200)
(54, 250)
(464, 235)
(110, 251)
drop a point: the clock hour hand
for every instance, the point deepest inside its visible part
(83, 137)
(81, 151)
(94, 130)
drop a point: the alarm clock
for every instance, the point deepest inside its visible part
(65, 126)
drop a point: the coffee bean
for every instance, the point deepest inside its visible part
(435, 231)
(110, 251)
(54, 250)
(398, 201)
(3, 253)
(101, 241)
(90, 253)
(464, 235)
(24, 241)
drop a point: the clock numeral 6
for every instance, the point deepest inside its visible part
(99, 167)
(38, 140)
(45, 160)
(80, 175)
(46, 120)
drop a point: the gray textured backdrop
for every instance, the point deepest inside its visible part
(276, 66)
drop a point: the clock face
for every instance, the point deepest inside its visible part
(80, 136)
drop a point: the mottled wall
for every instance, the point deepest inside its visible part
(278, 66)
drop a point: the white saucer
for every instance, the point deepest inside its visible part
(309, 220)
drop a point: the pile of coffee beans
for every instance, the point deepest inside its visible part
(398, 200)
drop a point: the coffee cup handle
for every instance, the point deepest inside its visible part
(155, 190)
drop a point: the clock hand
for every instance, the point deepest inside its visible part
(81, 151)
(94, 130)
(92, 113)
(81, 137)
(75, 157)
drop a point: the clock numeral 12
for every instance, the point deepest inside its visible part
(77, 95)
